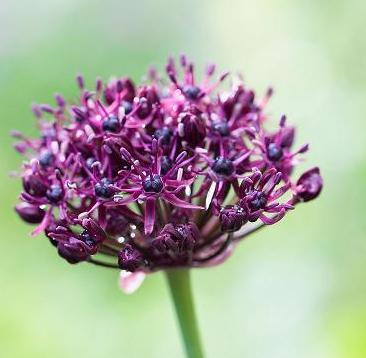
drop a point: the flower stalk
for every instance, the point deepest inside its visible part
(181, 292)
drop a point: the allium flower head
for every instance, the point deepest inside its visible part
(169, 173)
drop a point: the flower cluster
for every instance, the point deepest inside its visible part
(170, 173)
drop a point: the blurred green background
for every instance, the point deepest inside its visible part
(294, 290)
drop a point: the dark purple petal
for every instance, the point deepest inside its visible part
(30, 213)
(171, 198)
(309, 185)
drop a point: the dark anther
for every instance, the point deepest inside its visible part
(90, 161)
(145, 108)
(54, 194)
(259, 201)
(127, 106)
(87, 238)
(221, 127)
(111, 124)
(223, 166)
(48, 133)
(166, 164)
(191, 91)
(102, 188)
(153, 184)
(164, 135)
(274, 152)
(46, 159)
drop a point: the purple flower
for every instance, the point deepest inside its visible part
(75, 247)
(158, 175)
(174, 245)
(259, 194)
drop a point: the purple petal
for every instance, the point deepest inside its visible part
(129, 282)
(42, 226)
(172, 199)
(149, 215)
(270, 221)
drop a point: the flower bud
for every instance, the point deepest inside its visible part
(178, 239)
(34, 186)
(130, 258)
(287, 137)
(75, 250)
(232, 218)
(124, 86)
(129, 88)
(30, 213)
(309, 185)
(117, 224)
(94, 230)
(194, 129)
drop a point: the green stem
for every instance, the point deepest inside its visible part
(180, 289)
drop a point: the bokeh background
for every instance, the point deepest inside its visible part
(294, 290)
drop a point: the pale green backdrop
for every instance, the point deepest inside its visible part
(294, 290)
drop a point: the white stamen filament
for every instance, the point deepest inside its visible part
(180, 130)
(79, 133)
(90, 103)
(201, 150)
(117, 197)
(83, 215)
(89, 130)
(188, 190)
(54, 147)
(121, 112)
(210, 194)
(71, 185)
(180, 174)
(63, 149)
